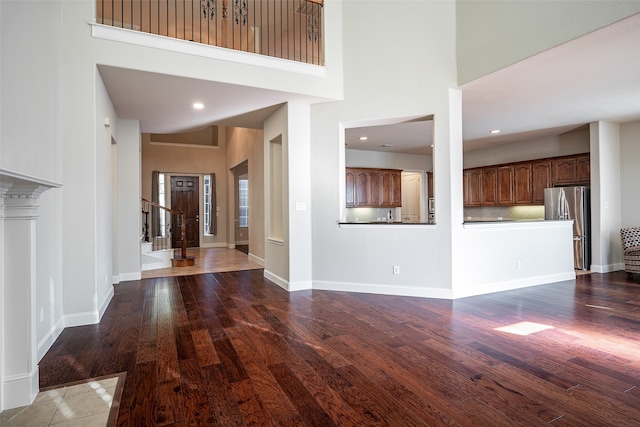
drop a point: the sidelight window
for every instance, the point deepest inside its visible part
(243, 202)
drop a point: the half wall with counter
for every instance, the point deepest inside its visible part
(503, 255)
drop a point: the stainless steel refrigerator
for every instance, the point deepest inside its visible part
(572, 203)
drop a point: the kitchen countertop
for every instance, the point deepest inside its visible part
(475, 220)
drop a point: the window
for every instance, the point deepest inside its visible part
(162, 200)
(207, 204)
(243, 202)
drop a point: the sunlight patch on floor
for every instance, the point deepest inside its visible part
(524, 328)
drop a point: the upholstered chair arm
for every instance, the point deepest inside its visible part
(632, 249)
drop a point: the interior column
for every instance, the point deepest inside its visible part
(18, 359)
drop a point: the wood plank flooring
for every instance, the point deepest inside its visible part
(233, 349)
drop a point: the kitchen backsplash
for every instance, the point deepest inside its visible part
(371, 214)
(503, 213)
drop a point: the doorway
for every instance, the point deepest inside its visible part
(412, 200)
(241, 206)
(184, 198)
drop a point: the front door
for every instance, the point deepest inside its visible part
(184, 198)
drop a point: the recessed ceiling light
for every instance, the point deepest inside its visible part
(363, 138)
(198, 105)
(494, 131)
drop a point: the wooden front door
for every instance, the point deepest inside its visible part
(184, 198)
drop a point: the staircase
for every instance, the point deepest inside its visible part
(152, 260)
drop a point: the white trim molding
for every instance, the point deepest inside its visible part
(19, 347)
(125, 35)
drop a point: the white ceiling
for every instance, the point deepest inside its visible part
(595, 77)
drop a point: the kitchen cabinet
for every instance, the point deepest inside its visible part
(373, 188)
(540, 179)
(571, 170)
(522, 174)
(350, 194)
(583, 169)
(564, 171)
(489, 186)
(474, 187)
(505, 181)
(363, 188)
(396, 188)
(430, 184)
(523, 183)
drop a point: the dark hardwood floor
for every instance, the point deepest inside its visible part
(234, 349)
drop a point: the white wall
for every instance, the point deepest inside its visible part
(388, 74)
(497, 257)
(299, 205)
(630, 174)
(276, 259)
(575, 142)
(606, 249)
(31, 88)
(30, 140)
(378, 159)
(493, 34)
(129, 212)
(104, 194)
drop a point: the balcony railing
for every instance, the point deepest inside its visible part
(289, 29)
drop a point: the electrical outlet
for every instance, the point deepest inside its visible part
(518, 265)
(396, 269)
(42, 314)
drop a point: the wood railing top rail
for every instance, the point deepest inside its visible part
(160, 206)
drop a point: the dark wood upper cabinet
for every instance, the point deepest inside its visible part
(375, 188)
(363, 188)
(370, 187)
(489, 186)
(474, 187)
(564, 171)
(350, 180)
(583, 169)
(430, 184)
(396, 188)
(522, 184)
(506, 194)
(540, 179)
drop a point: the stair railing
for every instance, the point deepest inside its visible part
(164, 240)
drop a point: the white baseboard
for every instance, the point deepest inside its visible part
(509, 285)
(20, 390)
(47, 341)
(213, 245)
(370, 288)
(105, 303)
(256, 259)
(283, 283)
(81, 319)
(124, 277)
(607, 268)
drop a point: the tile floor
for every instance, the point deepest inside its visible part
(86, 404)
(208, 260)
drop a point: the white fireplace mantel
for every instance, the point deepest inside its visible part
(19, 194)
